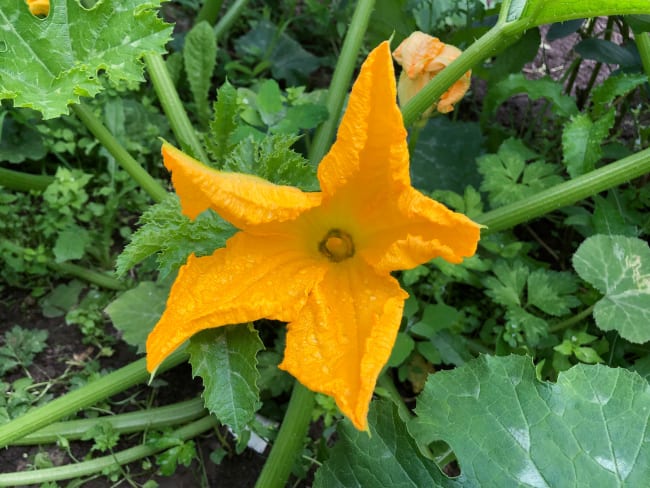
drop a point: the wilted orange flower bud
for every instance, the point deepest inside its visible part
(422, 57)
(39, 7)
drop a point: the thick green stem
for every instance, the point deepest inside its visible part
(566, 193)
(16, 180)
(290, 438)
(209, 11)
(643, 45)
(173, 107)
(95, 277)
(229, 18)
(85, 396)
(125, 423)
(94, 466)
(341, 79)
(123, 158)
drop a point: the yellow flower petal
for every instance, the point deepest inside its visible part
(370, 147)
(251, 278)
(243, 200)
(39, 7)
(343, 337)
(415, 231)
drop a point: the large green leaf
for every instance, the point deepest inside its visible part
(386, 457)
(507, 429)
(442, 159)
(49, 63)
(619, 267)
(225, 358)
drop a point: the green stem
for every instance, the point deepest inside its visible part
(566, 193)
(341, 79)
(277, 467)
(643, 45)
(125, 423)
(123, 158)
(173, 107)
(209, 11)
(565, 324)
(85, 396)
(229, 18)
(93, 466)
(100, 279)
(95, 277)
(19, 181)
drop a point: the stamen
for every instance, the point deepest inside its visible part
(337, 245)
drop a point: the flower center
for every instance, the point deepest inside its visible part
(337, 245)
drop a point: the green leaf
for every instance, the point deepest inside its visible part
(225, 358)
(390, 19)
(441, 141)
(404, 344)
(388, 456)
(47, 64)
(552, 291)
(166, 231)
(582, 140)
(514, 57)
(289, 61)
(588, 429)
(20, 347)
(200, 58)
(223, 124)
(71, 244)
(515, 172)
(618, 267)
(561, 104)
(269, 102)
(272, 159)
(613, 88)
(612, 216)
(303, 116)
(507, 286)
(519, 321)
(605, 51)
(135, 312)
(19, 140)
(60, 300)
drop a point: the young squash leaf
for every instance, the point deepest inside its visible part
(618, 267)
(225, 358)
(507, 429)
(47, 64)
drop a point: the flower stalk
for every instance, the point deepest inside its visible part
(88, 395)
(566, 193)
(121, 155)
(87, 468)
(173, 107)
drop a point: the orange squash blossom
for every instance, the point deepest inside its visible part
(39, 7)
(320, 261)
(422, 57)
